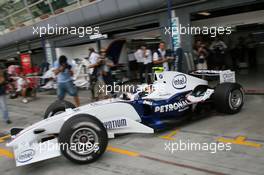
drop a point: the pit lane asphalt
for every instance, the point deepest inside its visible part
(145, 153)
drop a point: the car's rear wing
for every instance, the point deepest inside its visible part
(223, 76)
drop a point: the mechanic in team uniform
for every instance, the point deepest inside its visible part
(162, 57)
(140, 63)
(132, 62)
(63, 70)
(144, 60)
(147, 57)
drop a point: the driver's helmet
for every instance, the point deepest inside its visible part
(158, 69)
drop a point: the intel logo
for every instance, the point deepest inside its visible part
(26, 156)
(179, 81)
(228, 76)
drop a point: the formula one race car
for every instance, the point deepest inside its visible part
(81, 134)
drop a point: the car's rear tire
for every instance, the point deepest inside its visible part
(228, 98)
(57, 107)
(79, 131)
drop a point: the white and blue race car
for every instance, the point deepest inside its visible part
(81, 134)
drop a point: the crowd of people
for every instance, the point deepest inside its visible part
(144, 59)
(214, 56)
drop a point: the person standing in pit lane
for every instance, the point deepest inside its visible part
(140, 62)
(147, 55)
(3, 105)
(162, 57)
(104, 71)
(63, 70)
(93, 59)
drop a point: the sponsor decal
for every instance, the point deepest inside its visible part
(146, 102)
(227, 76)
(179, 81)
(26, 156)
(115, 124)
(177, 106)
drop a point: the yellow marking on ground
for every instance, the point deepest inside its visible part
(122, 151)
(240, 140)
(6, 153)
(170, 135)
(2, 139)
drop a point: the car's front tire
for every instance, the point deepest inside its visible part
(228, 98)
(58, 107)
(83, 139)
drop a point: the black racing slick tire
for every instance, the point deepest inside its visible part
(57, 107)
(83, 139)
(229, 98)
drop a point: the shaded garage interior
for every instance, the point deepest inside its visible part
(247, 24)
